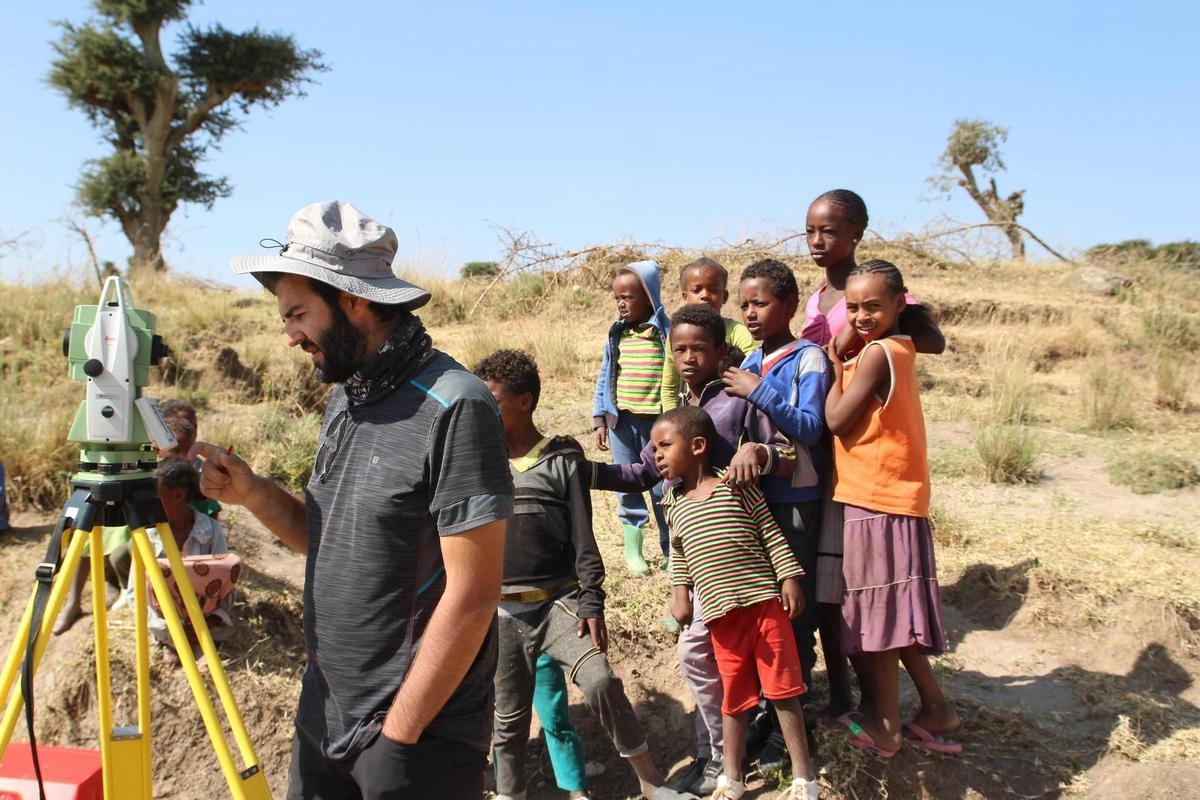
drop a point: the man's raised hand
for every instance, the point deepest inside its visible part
(225, 477)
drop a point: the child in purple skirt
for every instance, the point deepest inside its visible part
(891, 610)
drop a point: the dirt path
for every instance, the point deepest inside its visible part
(1053, 704)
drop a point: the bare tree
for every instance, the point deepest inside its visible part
(974, 144)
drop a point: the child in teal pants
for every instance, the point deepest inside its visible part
(563, 744)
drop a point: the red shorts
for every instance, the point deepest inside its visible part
(755, 648)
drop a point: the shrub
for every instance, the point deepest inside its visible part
(1007, 453)
(288, 447)
(1172, 380)
(1150, 471)
(556, 355)
(1009, 366)
(1167, 328)
(479, 269)
(947, 531)
(1107, 396)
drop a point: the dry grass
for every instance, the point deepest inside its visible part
(1108, 398)
(1026, 349)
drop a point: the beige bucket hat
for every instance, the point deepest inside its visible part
(337, 244)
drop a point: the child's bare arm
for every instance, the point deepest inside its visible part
(681, 605)
(589, 565)
(792, 597)
(871, 377)
(917, 322)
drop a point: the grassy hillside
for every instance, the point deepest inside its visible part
(1063, 442)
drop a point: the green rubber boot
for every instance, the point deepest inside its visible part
(633, 550)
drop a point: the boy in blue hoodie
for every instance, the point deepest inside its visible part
(629, 394)
(788, 378)
(751, 449)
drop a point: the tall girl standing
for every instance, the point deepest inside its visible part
(834, 227)
(891, 609)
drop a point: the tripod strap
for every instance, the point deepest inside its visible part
(45, 574)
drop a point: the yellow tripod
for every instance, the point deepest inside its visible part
(128, 498)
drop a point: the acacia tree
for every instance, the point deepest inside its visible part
(975, 144)
(161, 112)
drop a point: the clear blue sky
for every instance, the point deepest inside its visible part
(673, 122)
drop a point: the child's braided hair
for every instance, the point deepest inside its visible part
(885, 269)
(780, 280)
(854, 209)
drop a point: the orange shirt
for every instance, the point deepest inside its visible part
(881, 464)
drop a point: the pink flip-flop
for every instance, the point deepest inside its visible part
(936, 744)
(862, 740)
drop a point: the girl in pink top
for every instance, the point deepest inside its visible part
(835, 225)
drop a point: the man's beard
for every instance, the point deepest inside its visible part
(342, 346)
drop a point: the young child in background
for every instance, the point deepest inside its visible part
(705, 281)
(181, 419)
(788, 379)
(891, 609)
(552, 597)
(195, 535)
(746, 443)
(629, 393)
(726, 547)
(834, 226)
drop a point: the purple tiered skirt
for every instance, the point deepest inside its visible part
(891, 598)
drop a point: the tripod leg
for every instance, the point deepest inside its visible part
(12, 666)
(209, 648)
(121, 760)
(142, 645)
(242, 786)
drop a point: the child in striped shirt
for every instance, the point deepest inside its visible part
(629, 393)
(727, 547)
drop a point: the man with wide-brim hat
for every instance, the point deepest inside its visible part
(402, 522)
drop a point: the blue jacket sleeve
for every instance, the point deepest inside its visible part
(805, 421)
(759, 429)
(601, 383)
(636, 477)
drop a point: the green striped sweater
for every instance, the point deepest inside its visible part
(640, 357)
(728, 547)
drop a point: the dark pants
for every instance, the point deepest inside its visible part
(526, 631)
(386, 770)
(801, 525)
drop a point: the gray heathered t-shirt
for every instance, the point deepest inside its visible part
(428, 459)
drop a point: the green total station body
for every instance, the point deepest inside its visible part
(111, 347)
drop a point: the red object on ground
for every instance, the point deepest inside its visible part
(67, 773)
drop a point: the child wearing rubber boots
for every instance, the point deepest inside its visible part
(629, 391)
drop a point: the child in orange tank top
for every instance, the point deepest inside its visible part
(891, 610)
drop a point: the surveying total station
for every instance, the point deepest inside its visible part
(112, 346)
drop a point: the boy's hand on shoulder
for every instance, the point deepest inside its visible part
(740, 382)
(847, 342)
(746, 465)
(562, 440)
(598, 630)
(792, 597)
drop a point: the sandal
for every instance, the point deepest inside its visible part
(862, 740)
(929, 741)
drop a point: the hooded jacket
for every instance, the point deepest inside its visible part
(605, 402)
(735, 420)
(793, 395)
(549, 541)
